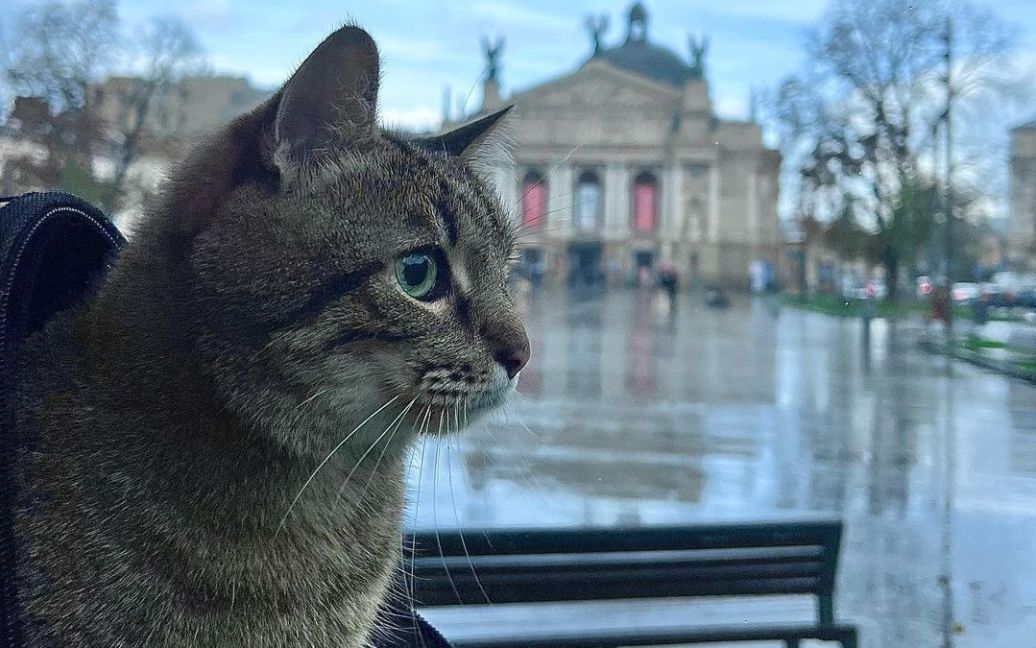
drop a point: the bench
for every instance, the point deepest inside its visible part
(558, 566)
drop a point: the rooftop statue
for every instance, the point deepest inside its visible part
(597, 26)
(699, 50)
(492, 52)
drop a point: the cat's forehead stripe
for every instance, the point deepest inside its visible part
(453, 198)
(444, 211)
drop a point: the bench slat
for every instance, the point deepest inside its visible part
(704, 557)
(648, 579)
(661, 538)
(521, 589)
(845, 634)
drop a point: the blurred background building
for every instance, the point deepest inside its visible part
(621, 167)
(193, 105)
(1021, 238)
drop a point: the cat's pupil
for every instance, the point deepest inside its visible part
(415, 269)
(418, 275)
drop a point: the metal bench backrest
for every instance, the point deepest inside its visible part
(525, 566)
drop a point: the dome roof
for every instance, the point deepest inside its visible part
(649, 60)
(638, 55)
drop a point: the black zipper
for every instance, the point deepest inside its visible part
(8, 596)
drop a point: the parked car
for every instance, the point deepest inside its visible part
(872, 289)
(964, 292)
(1010, 289)
(1025, 298)
(875, 289)
(997, 295)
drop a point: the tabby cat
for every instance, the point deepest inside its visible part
(216, 442)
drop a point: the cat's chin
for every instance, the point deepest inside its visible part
(457, 414)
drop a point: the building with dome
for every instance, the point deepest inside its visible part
(621, 166)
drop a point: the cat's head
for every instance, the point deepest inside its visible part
(335, 268)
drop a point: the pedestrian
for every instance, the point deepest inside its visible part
(939, 304)
(667, 281)
(980, 310)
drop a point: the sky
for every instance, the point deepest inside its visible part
(428, 45)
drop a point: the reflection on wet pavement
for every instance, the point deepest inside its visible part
(633, 414)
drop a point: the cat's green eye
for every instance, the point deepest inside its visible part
(418, 274)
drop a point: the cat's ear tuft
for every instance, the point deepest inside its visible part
(471, 141)
(331, 100)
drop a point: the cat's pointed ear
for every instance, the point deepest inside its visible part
(331, 100)
(467, 141)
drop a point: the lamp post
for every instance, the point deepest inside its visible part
(948, 189)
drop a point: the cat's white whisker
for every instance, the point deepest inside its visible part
(341, 443)
(367, 452)
(417, 509)
(435, 514)
(317, 394)
(456, 515)
(403, 545)
(298, 409)
(388, 443)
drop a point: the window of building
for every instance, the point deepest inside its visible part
(645, 203)
(589, 205)
(698, 170)
(534, 200)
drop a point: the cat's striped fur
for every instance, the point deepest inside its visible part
(251, 325)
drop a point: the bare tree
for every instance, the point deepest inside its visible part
(5, 53)
(60, 50)
(55, 52)
(167, 51)
(860, 124)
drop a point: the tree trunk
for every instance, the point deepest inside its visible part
(891, 263)
(138, 107)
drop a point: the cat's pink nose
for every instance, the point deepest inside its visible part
(508, 343)
(513, 359)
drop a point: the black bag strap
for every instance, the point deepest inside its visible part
(54, 249)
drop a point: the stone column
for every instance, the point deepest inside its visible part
(673, 219)
(712, 211)
(753, 210)
(559, 202)
(509, 191)
(622, 201)
(612, 179)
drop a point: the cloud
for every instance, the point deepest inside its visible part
(264, 76)
(800, 11)
(416, 118)
(514, 16)
(728, 107)
(419, 50)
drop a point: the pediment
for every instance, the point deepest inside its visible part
(596, 85)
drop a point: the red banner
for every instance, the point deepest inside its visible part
(644, 207)
(534, 204)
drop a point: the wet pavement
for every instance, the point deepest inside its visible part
(634, 414)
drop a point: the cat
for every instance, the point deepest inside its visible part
(215, 443)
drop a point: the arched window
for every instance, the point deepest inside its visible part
(534, 200)
(645, 203)
(589, 206)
